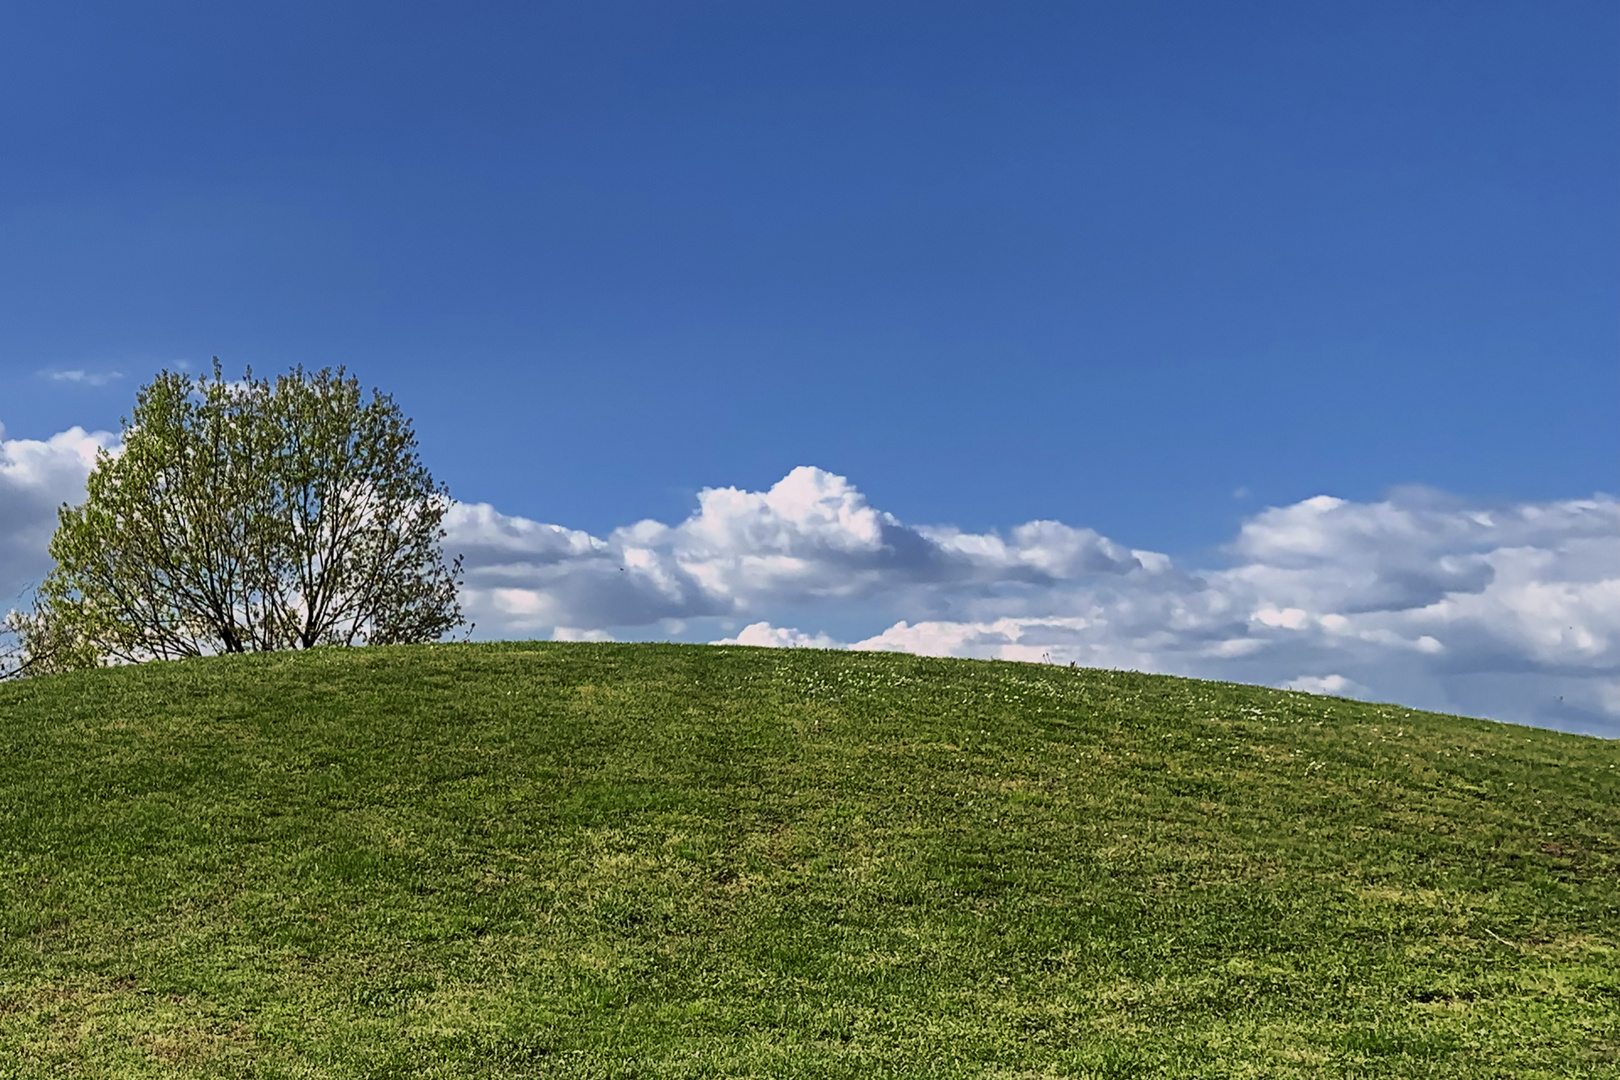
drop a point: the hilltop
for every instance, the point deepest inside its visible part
(594, 860)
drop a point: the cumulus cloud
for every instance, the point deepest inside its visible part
(1336, 685)
(774, 637)
(812, 538)
(35, 478)
(570, 633)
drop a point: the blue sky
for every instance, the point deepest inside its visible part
(1145, 268)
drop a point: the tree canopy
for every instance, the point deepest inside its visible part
(249, 516)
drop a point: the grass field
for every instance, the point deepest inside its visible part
(683, 861)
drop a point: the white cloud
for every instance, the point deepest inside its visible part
(83, 378)
(1509, 611)
(811, 538)
(1336, 685)
(765, 635)
(35, 478)
(569, 633)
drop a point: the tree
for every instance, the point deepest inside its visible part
(32, 644)
(13, 649)
(250, 516)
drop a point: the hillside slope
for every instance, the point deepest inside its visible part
(671, 861)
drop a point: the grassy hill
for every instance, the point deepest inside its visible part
(681, 861)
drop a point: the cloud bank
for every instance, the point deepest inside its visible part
(1510, 612)
(1504, 611)
(811, 538)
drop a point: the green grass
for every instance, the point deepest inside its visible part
(683, 861)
